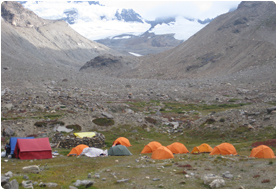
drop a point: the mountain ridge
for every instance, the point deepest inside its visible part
(231, 43)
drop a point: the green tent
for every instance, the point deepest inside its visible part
(119, 150)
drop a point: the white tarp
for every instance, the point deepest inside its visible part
(93, 152)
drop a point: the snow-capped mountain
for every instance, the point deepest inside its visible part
(96, 21)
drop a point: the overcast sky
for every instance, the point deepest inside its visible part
(193, 9)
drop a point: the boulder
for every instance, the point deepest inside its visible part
(31, 169)
(9, 174)
(4, 180)
(7, 131)
(213, 181)
(269, 110)
(86, 183)
(14, 184)
(107, 115)
(27, 184)
(51, 185)
(208, 178)
(122, 180)
(228, 175)
(217, 183)
(8, 106)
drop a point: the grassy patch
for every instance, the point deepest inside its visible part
(76, 128)
(103, 121)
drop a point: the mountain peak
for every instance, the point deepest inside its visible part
(128, 15)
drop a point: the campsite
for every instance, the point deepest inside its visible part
(200, 115)
(139, 170)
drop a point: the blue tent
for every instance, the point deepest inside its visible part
(13, 141)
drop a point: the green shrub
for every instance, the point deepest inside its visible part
(76, 128)
(103, 122)
(222, 120)
(151, 120)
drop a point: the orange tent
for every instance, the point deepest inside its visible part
(151, 147)
(177, 148)
(224, 149)
(77, 150)
(262, 151)
(122, 141)
(202, 148)
(162, 153)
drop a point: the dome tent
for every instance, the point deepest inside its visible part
(151, 147)
(122, 141)
(177, 148)
(162, 153)
(77, 150)
(119, 150)
(224, 149)
(262, 151)
(203, 148)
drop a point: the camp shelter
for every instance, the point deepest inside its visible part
(93, 152)
(119, 150)
(203, 148)
(122, 141)
(177, 148)
(27, 149)
(224, 149)
(85, 134)
(262, 151)
(13, 141)
(151, 147)
(76, 151)
(162, 153)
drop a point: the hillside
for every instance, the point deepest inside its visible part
(239, 41)
(41, 48)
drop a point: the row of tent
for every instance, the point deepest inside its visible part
(39, 148)
(165, 152)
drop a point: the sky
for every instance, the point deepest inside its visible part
(193, 9)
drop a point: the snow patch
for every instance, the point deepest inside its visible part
(135, 54)
(182, 28)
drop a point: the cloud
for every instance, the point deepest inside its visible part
(192, 9)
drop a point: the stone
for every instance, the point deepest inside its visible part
(227, 175)
(269, 110)
(7, 132)
(107, 115)
(156, 179)
(4, 180)
(51, 185)
(31, 169)
(97, 176)
(86, 183)
(217, 183)
(8, 106)
(208, 178)
(174, 124)
(160, 186)
(122, 180)
(14, 184)
(9, 174)
(27, 184)
(72, 187)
